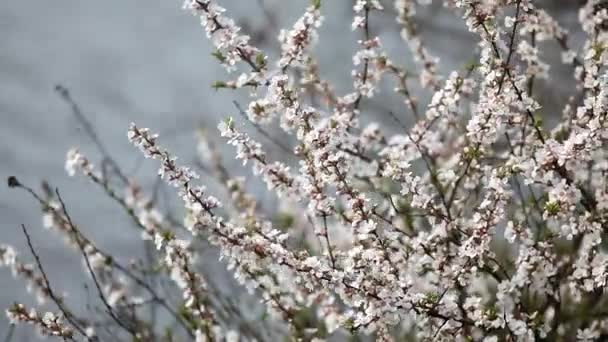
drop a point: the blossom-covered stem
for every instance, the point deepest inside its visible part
(442, 231)
(244, 52)
(563, 43)
(49, 324)
(286, 149)
(194, 287)
(518, 189)
(181, 177)
(402, 76)
(175, 252)
(190, 275)
(589, 202)
(276, 175)
(524, 126)
(90, 131)
(288, 313)
(72, 319)
(120, 200)
(174, 173)
(328, 242)
(79, 239)
(366, 62)
(510, 49)
(507, 72)
(294, 43)
(405, 17)
(428, 160)
(100, 292)
(458, 181)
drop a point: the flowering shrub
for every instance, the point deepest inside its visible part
(476, 223)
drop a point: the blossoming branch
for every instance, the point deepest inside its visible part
(477, 222)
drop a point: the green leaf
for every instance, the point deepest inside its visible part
(229, 121)
(218, 55)
(552, 208)
(472, 153)
(218, 85)
(260, 60)
(538, 121)
(284, 220)
(167, 235)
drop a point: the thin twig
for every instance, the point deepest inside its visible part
(47, 284)
(588, 200)
(366, 63)
(260, 130)
(14, 183)
(91, 272)
(90, 131)
(9, 333)
(511, 47)
(329, 248)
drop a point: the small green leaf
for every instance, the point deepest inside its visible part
(284, 220)
(218, 55)
(218, 85)
(472, 153)
(552, 208)
(432, 297)
(349, 324)
(229, 121)
(561, 135)
(538, 121)
(260, 60)
(167, 235)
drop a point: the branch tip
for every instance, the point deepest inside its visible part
(13, 182)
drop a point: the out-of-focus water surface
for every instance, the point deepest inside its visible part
(147, 62)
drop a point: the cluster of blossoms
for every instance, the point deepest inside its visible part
(406, 10)
(232, 47)
(477, 222)
(49, 324)
(35, 282)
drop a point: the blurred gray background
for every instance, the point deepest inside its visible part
(149, 62)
